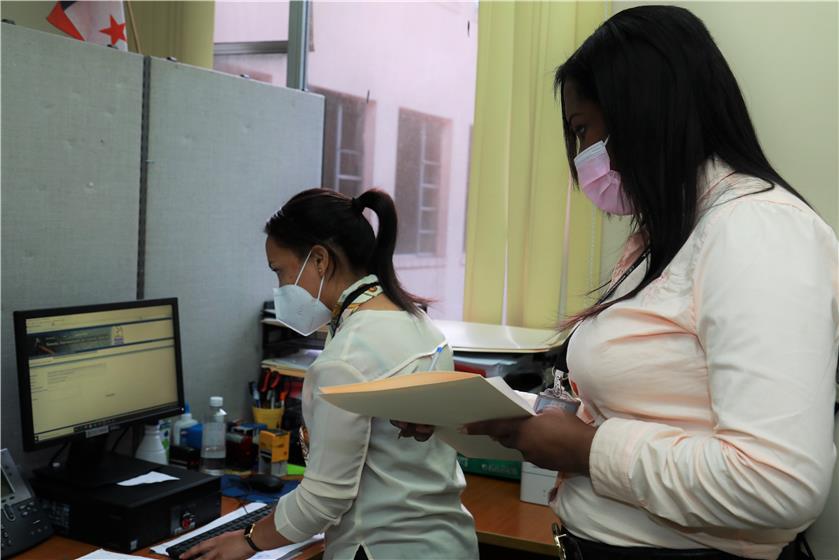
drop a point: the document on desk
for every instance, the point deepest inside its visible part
(103, 554)
(152, 477)
(280, 553)
(444, 399)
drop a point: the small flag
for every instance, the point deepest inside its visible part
(102, 23)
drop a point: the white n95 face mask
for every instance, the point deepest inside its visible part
(297, 309)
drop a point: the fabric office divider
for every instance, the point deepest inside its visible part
(70, 164)
(225, 153)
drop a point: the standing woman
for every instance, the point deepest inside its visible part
(707, 377)
(375, 496)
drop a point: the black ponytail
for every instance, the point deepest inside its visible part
(328, 218)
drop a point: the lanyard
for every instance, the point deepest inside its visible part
(561, 362)
(351, 297)
(641, 258)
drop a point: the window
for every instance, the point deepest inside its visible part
(250, 38)
(421, 169)
(347, 131)
(398, 79)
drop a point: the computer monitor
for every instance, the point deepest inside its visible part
(85, 371)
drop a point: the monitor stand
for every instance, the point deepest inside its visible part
(89, 465)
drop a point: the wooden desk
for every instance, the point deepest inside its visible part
(62, 548)
(501, 519)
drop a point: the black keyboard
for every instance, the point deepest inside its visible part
(176, 550)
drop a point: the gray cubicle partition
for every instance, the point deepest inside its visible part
(70, 169)
(224, 154)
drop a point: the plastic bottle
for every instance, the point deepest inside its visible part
(183, 422)
(151, 447)
(165, 427)
(213, 445)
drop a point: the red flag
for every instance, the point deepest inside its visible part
(102, 23)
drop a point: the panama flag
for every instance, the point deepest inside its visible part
(102, 23)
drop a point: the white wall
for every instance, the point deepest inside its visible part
(785, 56)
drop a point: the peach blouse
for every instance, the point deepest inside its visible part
(713, 388)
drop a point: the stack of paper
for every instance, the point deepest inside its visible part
(298, 362)
(102, 554)
(447, 400)
(481, 337)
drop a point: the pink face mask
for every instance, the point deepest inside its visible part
(599, 182)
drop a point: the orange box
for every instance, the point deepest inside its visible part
(274, 444)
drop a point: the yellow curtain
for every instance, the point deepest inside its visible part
(170, 28)
(519, 206)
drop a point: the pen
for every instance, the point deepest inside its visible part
(254, 393)
(434, 359)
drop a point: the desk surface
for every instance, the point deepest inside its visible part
(501, 519)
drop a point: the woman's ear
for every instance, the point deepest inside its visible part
(321, 258)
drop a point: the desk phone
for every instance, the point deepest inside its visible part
(24, 523)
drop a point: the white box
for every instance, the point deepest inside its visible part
(536, 483)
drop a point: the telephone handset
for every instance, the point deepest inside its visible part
(24, 523)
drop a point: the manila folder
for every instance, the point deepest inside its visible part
(443, 399)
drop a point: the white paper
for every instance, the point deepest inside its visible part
(447, 400)
(300, 360)
(480, 337)
(280, 553)
(103, 554)
(476, 447)
(286, 552)
(148, 478)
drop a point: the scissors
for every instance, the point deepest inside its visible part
(268, 382)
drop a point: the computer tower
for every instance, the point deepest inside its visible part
(128, 518)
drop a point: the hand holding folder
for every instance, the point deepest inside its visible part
(444, 399)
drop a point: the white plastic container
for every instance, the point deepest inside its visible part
(151, 447)
(165, 427)
(213, 444)
(536, 483)
(183, 422)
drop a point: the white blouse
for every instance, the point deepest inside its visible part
(396, 498)
(713, 388)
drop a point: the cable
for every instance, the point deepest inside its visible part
(54, 457)
(114, 446)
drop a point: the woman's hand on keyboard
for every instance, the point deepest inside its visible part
(228, 546)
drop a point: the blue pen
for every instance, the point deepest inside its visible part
(434, 359)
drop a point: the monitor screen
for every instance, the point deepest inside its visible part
(84, 370)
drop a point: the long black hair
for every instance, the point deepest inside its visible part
(328, 218)
(669, 102)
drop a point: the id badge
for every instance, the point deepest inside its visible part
(557, 396)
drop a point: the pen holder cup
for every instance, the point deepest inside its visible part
(271, 417)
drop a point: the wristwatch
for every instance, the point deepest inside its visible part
(248, 533)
